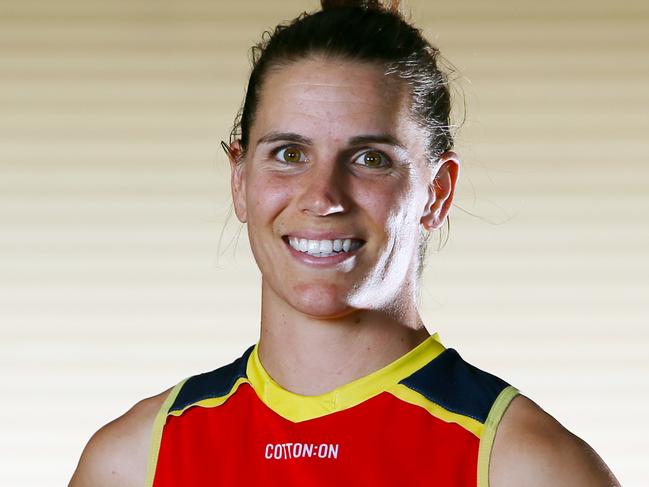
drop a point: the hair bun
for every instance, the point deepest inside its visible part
(393, 5)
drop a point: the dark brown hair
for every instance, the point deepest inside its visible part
(363, 31)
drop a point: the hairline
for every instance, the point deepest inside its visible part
(320, 54)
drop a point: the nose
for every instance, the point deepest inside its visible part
(324, 190)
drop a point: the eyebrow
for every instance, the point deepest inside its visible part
(284, 136)
(357, 140)
(376, 139)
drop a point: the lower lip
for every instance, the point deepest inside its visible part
(321, 261)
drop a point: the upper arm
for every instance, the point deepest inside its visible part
(117, 454)
(532, 449)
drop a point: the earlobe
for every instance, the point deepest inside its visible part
(238, 181)
(441, 191)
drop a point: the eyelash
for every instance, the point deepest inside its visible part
(277, 152)
(385, 159)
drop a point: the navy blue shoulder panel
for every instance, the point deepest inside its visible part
(456, 385)
(215, 383)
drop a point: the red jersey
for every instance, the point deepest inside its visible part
(428, 418)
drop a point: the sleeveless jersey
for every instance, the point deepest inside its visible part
(427, 418)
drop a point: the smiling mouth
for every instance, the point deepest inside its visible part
(323, 248)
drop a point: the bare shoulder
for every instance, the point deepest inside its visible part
(117, 454)
(532, 449)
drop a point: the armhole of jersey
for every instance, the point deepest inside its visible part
(156, 434)
(489, 433)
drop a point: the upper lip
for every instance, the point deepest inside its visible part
(321, 235)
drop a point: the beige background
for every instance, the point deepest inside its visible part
(114, 192)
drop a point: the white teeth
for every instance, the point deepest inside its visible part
(323, 248)
(326, 246)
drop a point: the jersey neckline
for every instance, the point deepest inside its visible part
(297, 408)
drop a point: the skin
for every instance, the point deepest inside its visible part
(345, 321)
(365, 307)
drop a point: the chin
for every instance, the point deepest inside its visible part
(324, 302)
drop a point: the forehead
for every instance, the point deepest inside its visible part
(330, 97)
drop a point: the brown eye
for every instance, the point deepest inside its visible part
(291, 155)
(372, 158)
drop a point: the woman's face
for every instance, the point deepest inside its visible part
(335, 187)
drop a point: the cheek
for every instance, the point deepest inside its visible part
(389, 208)
(266, 196)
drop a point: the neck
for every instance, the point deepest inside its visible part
(310, 356)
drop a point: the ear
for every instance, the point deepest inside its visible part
(441, 191)
(238, 180)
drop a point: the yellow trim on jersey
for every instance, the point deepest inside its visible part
(491, 425)
(212, 402)
(297, 408)
(413, 397)
(156, 433)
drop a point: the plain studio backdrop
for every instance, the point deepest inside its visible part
(114, 196)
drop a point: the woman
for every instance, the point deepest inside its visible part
(341, 166)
